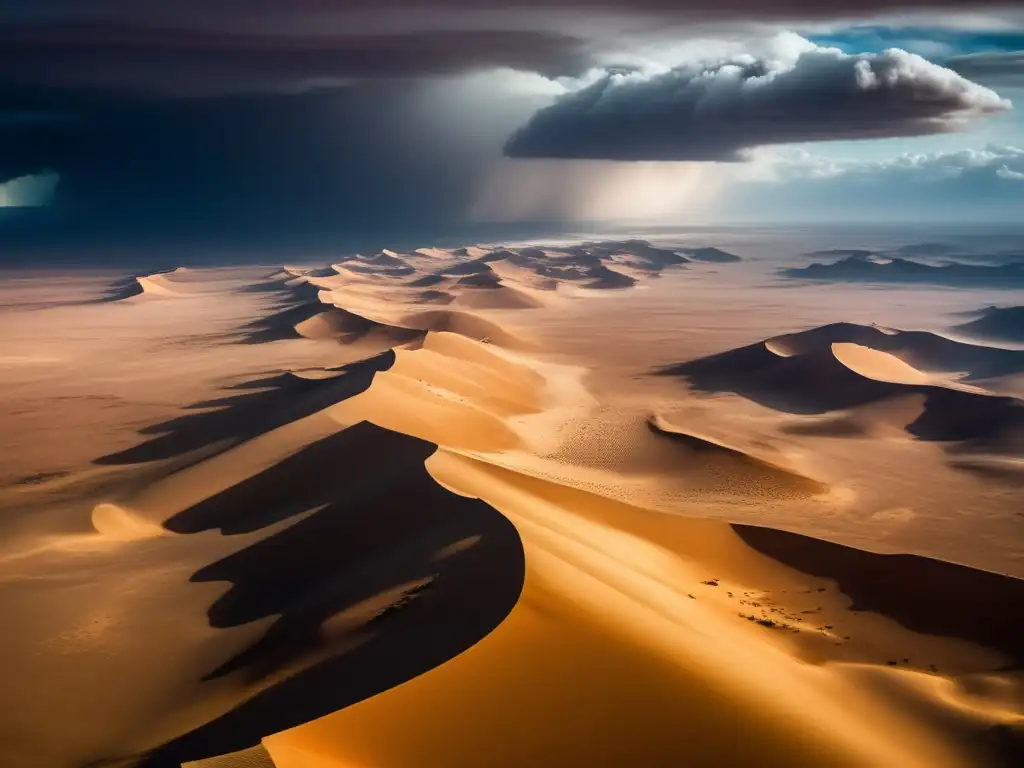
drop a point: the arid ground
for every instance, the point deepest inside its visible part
(546, 504)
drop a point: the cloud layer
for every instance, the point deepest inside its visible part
(964, 185)
(190, 62)
(1002, 162)
(212, 46)
(715, 110)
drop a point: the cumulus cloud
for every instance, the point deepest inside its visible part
(29, 191)
(715, 110)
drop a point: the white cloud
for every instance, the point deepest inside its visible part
(1005, 172)
(966, 185)
(1004, 162)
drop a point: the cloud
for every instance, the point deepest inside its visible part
(214, 46)
(31, 191)
(359, 9)
(963, 185)
(1000, 68)
(1002, 161)
(190, 62)
(715, 110)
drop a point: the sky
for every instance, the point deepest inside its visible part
(133, 122)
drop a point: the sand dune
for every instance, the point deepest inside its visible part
(714, 466)
(998, 323)
(335, 323)
(920, 349)
(427, 281)
(869, 267)
(824, 370)
(386, 263)
(618, 600)
(465, 324)
(713, 255)
(450, 516)
(489, 292)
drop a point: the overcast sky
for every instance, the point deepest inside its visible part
(127, 120)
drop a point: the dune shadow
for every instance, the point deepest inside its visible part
(799, 374)
(282, 399)
(125, 287)
(866, 267)
(995, 323)
(280, 325)
(800, 384)
(389, 576)
(922, 594)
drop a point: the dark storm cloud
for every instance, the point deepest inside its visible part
(164, 61)
(758, 9)
(714, 112)
(191, 46)
(1002, 68)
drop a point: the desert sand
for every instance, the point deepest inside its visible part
(595, 503)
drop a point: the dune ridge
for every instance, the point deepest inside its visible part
(844, 366)
(997, 323)
(868, 267)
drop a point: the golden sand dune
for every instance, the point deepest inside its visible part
(496, 296)
(465, 324)
(437, 548)
(183, 282)
(879, 366)
(710, 465)
(347, 326)
(632, 644)
(820, 371)
(925, 351)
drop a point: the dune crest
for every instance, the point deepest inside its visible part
(844, 366)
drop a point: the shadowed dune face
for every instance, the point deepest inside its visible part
(275, 401)
(388, 576)
(723, 469)
(866, 267)
(713, 255)
(998, 324)
(924, 595)
(844, 366)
